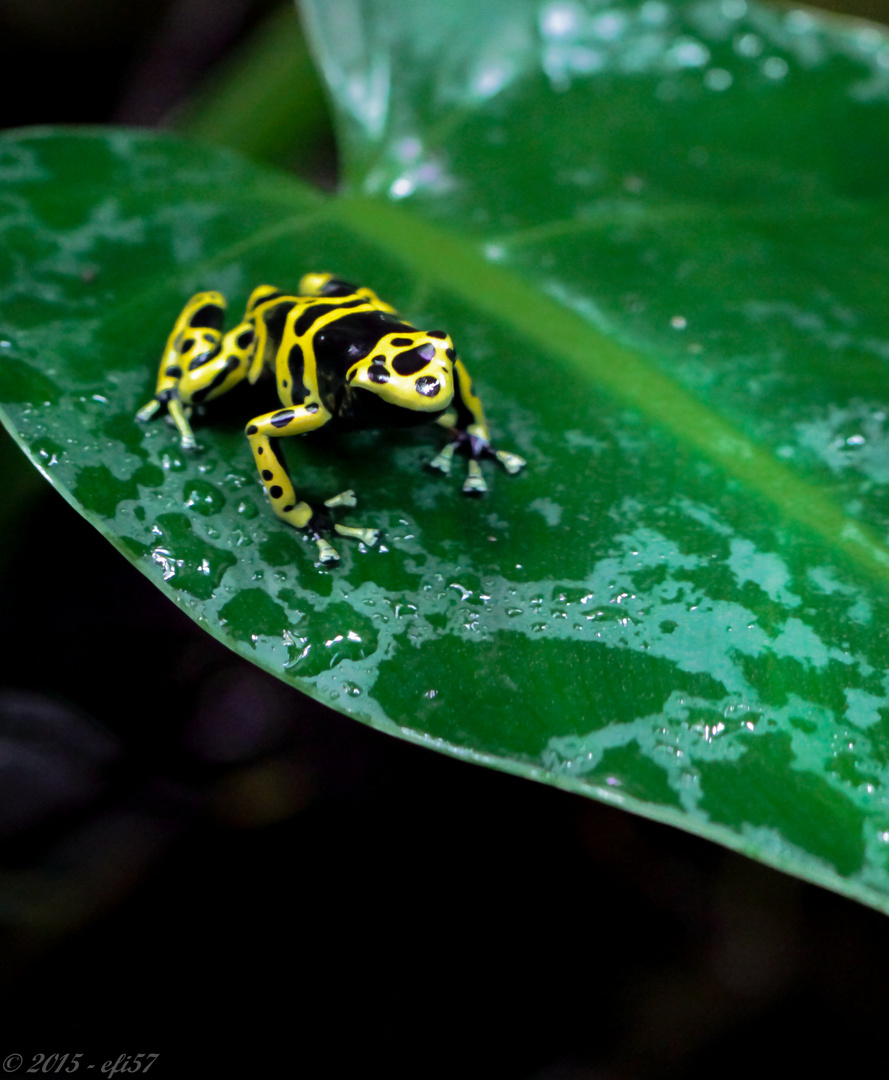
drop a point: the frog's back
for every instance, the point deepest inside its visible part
(323, 337)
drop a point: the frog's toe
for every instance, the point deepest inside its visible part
(474, 484)
(366, 536)
(345, 498)
(327, 553)
(442, 462)
(511, 462)
(148, 411)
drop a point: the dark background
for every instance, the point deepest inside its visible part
(95, 61)
(199, 862)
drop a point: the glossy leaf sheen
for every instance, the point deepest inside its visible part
(658, 235)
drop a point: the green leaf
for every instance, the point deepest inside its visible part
(657, 234)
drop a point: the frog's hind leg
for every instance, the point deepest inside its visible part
(261, 434)
(194, 338)
(193, 341)
(209, 377)
(202, 375)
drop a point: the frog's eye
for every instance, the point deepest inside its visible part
(378, 372)
(427, 386)
(336, 287)
(210, 316)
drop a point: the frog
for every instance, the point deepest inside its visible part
(342, 360)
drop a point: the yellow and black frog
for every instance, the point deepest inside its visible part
(342, 359)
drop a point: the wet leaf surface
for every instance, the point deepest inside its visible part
(657, 234)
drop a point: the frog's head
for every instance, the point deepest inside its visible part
(412, 370)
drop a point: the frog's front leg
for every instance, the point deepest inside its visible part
(466, 418)
(298, 420)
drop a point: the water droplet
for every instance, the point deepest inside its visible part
(401, 188)
(689, 53)
(749, 45)
(560, 19)
(775, 68)
(801, 22)
(718, 79)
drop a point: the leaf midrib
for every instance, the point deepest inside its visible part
(618, 212)
(460, 268)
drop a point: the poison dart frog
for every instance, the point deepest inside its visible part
(343, 359)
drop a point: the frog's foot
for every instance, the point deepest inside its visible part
(320, 524)
(345, 498)
(147, 412)
(178, 415)
(511, 462)
(442, 462)
(475, 448)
